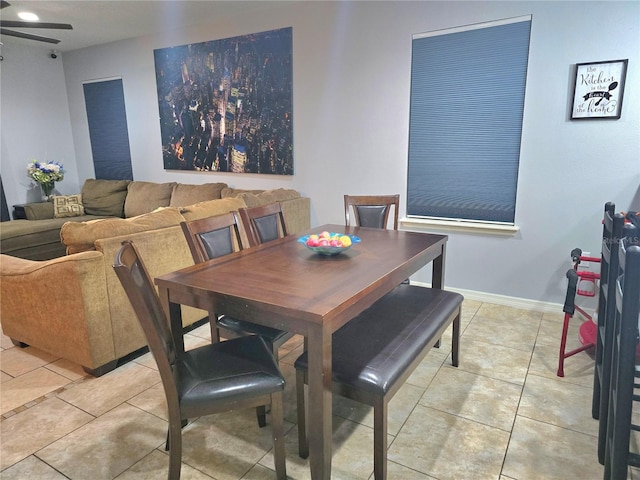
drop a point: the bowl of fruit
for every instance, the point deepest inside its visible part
(329, 243)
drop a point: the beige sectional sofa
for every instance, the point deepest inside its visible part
(74, 307)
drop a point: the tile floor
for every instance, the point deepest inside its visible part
(502, 414)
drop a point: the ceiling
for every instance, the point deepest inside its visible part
(103, 21)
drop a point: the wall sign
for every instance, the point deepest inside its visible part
(598, 90)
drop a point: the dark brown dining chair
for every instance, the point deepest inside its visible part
(213, 237)
(371, 210)
(374, 354)
(217, 377)
(263, 224)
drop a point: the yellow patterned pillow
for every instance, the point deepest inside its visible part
(67, 206)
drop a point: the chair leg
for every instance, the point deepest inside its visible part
(380, 411)
(261, 415)
(215, 331)
(303, 445)
(175, 448)
(277, 431)
(455, 341)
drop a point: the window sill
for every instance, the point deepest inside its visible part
(459, 226)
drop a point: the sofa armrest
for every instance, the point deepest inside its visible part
(38, 211)
(59, 306)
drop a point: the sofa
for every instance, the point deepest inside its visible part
(73, 306)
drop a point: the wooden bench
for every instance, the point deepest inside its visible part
(377, 351)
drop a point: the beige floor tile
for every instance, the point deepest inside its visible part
(474, 397)
(152, 400)
(30, 430)
(352, 453)
(520, 335)
(68, 369)
(400, 472)
(99, 395)
(559, 403)
(495, 361)
(400, 407)
(155, 466)
(550, 334)
(449, 447)
(107, 446)
(18, 361)
(470, 308)
(5, 377)
(539, 451)
(557, 316)
(31, 467)
(511, 314)
(226, 445)
(5, 342)
(578, 369)
(424, 373)
(28, 387)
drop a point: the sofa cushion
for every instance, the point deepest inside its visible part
(67, 206)
(104, 197)
(145, 197)
(234, 192)
(81, 236)
(184, 194)
(212, 208)
(268, 196)
(39, 210)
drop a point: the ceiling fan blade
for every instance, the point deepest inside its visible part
(4, 4)
(28, 36)
(19, 24)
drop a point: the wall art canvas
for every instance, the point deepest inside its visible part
(226, 105)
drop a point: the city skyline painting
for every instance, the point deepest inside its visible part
(226, 105)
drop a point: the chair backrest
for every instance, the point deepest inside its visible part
(212, 237)
(371, 210)
(612, 226)
(138, 286)
(263, 224)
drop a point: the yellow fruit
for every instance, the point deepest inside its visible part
(346, 240)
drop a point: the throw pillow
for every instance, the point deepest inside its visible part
(104, 197)
(145, 197)
(236, 192)
(184, 194)
(67, 206)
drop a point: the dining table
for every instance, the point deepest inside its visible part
(284, 285)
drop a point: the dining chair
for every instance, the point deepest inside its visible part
(263, 224)
(624, 373)
(374, 353)
(218, 377)
(371, 210)
(213, 237)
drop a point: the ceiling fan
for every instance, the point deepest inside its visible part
(23, 24)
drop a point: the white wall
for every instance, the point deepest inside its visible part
(351, 97)
(34, 121)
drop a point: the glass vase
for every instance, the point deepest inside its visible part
(47, 188)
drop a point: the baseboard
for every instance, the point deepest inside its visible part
(515, 302)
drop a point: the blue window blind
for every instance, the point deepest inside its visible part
(467, 103)
(108, 131)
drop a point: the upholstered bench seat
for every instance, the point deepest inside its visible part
(374, 354)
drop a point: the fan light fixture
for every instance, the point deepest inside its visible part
(28, 16)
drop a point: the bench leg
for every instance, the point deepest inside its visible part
(380, 412)
(455, 341)
(303, 444)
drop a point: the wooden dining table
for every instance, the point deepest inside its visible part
(285, 285)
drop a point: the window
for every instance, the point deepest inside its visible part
(107, 118)
(467, 103)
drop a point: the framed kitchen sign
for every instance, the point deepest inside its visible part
(598, 90)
